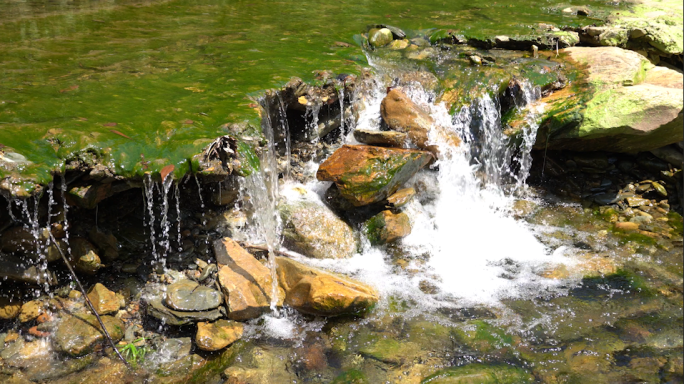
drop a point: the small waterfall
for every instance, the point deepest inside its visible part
(340, 93)
(311, 116)
(65, 209)
(286, 133)
(148, 190)
(204, 217)
(165, 242)
(176, 192)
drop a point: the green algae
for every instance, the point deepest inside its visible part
(148, 84)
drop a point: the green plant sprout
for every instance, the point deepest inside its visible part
(134, 354)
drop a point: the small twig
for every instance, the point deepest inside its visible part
(90, 304)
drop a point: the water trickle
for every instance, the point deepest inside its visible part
(148, 190)
(311, 116)
(286, 133)
(204, 216)
(65, 210)
(165, 242)
(340, 93)
(176, 192)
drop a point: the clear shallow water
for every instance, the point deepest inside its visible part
(167, 75)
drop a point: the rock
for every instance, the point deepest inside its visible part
(380, 37)
(475, 60)
(312, 229)
(400, 198)
(398, 44)
(671, 154)
(30, 311)
(25, 354)
(83, 256)
(104, 300)
(77, 335)
(627, 226)
(105, 242)
(381, 138)
(387, 227)
(365, 174)
(187, 295)
(218, 335)
(153, 297)
(13, 269)
(245, 282)
(637, 201)
(623, 105)
(90, 195)
(9, 308)
(172, 349)
(403, 115)
(314, 291)
(659, 188)
(481, 374)
(227, 193)
(391, 351)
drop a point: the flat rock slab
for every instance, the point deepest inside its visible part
(77, 335)
(317, 292)
(245, 282)
(188, 295)
(366, 174)
(381, 138)
(156, 308)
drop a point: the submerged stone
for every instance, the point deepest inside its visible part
(317, 292)
(365, 174)
(188, 295)
(217, 335)
(314, 230)
(480, 374)
(246, 283)
(77, 335)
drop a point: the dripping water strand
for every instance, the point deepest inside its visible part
(165, 223)
(286, 130)
(176, 191)
(65, 209)
(149, 198)
(204, 217)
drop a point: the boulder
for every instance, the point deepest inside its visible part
(218, 335)
(403, 115)
(104, 300)
(366, 175)
(620, 103)
(387, 227)
(188, 295)
(77, 335)
(312, 229)
(381, 138)
(246, 283)
(317, 292)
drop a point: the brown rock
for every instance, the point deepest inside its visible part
(317, 292)
(365, 174)
(217, 335)
(400, 198)
(9, 309)
(30, 311)
(84, 257)
(245, 282)
(382, 138)
(627, 226)
(104, 300)
(78, 334)
(387, 227)
(403, 115)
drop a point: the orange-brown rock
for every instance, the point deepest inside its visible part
(218, 335)
(246, 283)
(387, 227)
(317, 292)
(104, 300)
(9, 309)
(366, 175)
(403, 115)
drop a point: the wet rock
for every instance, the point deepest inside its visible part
(30, 311)
(398, 44)
(381, 138)
(84, 257)
(172, 349)
(261, 365)
(89, 196)
(637, 201)
(9, 308)
(227, 193)
(187, 295)
(659, 188)
(627, 226)
(391, 351)
(400, 198)
(217, 335)
(481, 374)
(380, 37)
(312, 229)
(15, 269)
(104, 300)
(623, 105)
(403, 115)
(25, 354)
(153, 297)
(387, 227)
(317, 292)
(245, 282)
(105, 242)
(366, 174)
(77, 335)
(671, 154)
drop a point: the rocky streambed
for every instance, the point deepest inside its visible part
(469, 210)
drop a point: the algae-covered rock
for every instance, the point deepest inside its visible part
(317, 292)
(366, 174)
(246, 283)
(217, 335)
(387, 227)
(619, 103)
(380, 37)
(480, 374)
(77, 335)
(312, 229)
(390, 351)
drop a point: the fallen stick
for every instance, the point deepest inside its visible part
(90, 304)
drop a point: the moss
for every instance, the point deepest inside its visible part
(352, 376)
(675, 221)
(249, 161)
